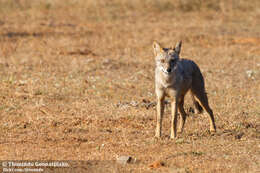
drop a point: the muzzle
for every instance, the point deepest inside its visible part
(168, 71)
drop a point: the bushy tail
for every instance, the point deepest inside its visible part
(196, 104)
(198, 88)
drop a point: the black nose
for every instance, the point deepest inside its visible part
(169, 70)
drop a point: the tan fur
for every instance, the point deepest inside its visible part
(174, 77)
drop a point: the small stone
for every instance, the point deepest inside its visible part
(134, 103)
(124, 159)
(156, 164)
(250, 73)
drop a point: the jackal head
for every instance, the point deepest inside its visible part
(166, 58)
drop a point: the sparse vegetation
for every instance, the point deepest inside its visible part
(76, 82)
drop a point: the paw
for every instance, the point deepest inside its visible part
(173, 136)
(212, 130)
(180, 130)
(157, 135)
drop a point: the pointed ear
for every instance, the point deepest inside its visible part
(178, 47)
(156, 48)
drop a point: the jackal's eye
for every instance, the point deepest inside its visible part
(162, 60)
(171, 52)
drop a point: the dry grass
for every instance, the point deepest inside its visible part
(76, 82)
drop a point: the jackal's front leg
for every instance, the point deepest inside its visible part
(183, 114)
(174, 107)
(160, 110)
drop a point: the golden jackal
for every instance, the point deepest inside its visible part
(174, 77)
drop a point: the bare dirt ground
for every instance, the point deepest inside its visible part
(77, 83)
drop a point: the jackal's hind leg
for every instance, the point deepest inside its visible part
(202, 97)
